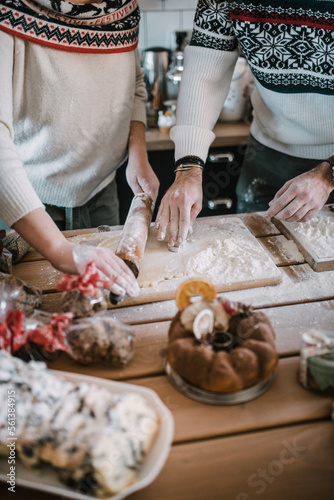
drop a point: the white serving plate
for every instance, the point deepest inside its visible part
(46, 479)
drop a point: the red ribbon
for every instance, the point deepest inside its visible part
(5, 337)
(51, 336)
(86, 283)
(14, 322)
(230, 307)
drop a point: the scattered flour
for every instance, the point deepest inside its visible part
(225, 252)
(230, 258)
(316, 235)
(251, 193)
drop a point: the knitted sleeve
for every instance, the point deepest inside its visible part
(213, 26)
(208, 67)
(139, 110)
(18, 197)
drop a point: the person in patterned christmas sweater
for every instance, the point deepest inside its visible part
(289, 163)
(72, 110)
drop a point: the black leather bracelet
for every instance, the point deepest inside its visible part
(189, 159)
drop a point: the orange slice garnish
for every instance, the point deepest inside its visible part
(194, 287)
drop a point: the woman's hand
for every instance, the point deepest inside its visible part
(141, 177)
(72, 259)
(180, 207)
(139, 173)
(111, 268)
(303, 196)
(39, 230)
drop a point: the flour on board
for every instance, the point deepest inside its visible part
(225, 252)
(317, 234)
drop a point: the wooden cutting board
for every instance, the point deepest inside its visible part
(314, 239)
(243, 263)
(222, 250)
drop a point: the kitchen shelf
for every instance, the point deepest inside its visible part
(227, 134)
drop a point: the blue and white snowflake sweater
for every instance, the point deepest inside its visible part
(290, 49)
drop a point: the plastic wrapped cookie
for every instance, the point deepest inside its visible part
(19, 294)
(100, 339)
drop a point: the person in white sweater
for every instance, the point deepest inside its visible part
(72, 110)
(289, 163)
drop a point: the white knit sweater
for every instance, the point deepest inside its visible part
(64, 123)
(292, 62)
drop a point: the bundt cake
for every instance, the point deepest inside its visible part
(218, 345)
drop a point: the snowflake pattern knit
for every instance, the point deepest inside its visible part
(289, 45)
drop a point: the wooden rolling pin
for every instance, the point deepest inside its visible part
(133, 238)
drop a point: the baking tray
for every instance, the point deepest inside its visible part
(46, 479)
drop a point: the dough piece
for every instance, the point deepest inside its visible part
(225, 252)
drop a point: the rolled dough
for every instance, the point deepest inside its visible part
(224, 252)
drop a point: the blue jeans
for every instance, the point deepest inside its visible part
(99, 210)
(263, 173)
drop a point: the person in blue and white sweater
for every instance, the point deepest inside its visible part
(289, 164)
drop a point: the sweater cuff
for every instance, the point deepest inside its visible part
(139, 112)
(20, 200)
(191, 141)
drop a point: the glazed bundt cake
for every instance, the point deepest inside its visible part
(218, 345)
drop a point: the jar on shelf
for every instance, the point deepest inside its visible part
(316, 370)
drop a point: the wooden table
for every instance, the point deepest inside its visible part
(278, 446)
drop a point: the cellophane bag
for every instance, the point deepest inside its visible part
(83, 294)
(21, 294)
(6, 258)
(39, 336)
(100, 339)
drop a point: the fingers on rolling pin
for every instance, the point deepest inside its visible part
(135, 231)
(134, 235)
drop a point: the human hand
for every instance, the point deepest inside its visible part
(180, 207)
(139, 173)
(141, 177)
(302, 197)
(120, 279)
(73, 259)
(39, 230)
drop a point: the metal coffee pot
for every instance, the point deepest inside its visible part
(155, 63)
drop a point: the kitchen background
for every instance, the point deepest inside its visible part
(161, 18)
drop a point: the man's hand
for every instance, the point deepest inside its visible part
(180, 207)
(303, 196)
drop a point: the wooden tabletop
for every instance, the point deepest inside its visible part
(278, 446)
